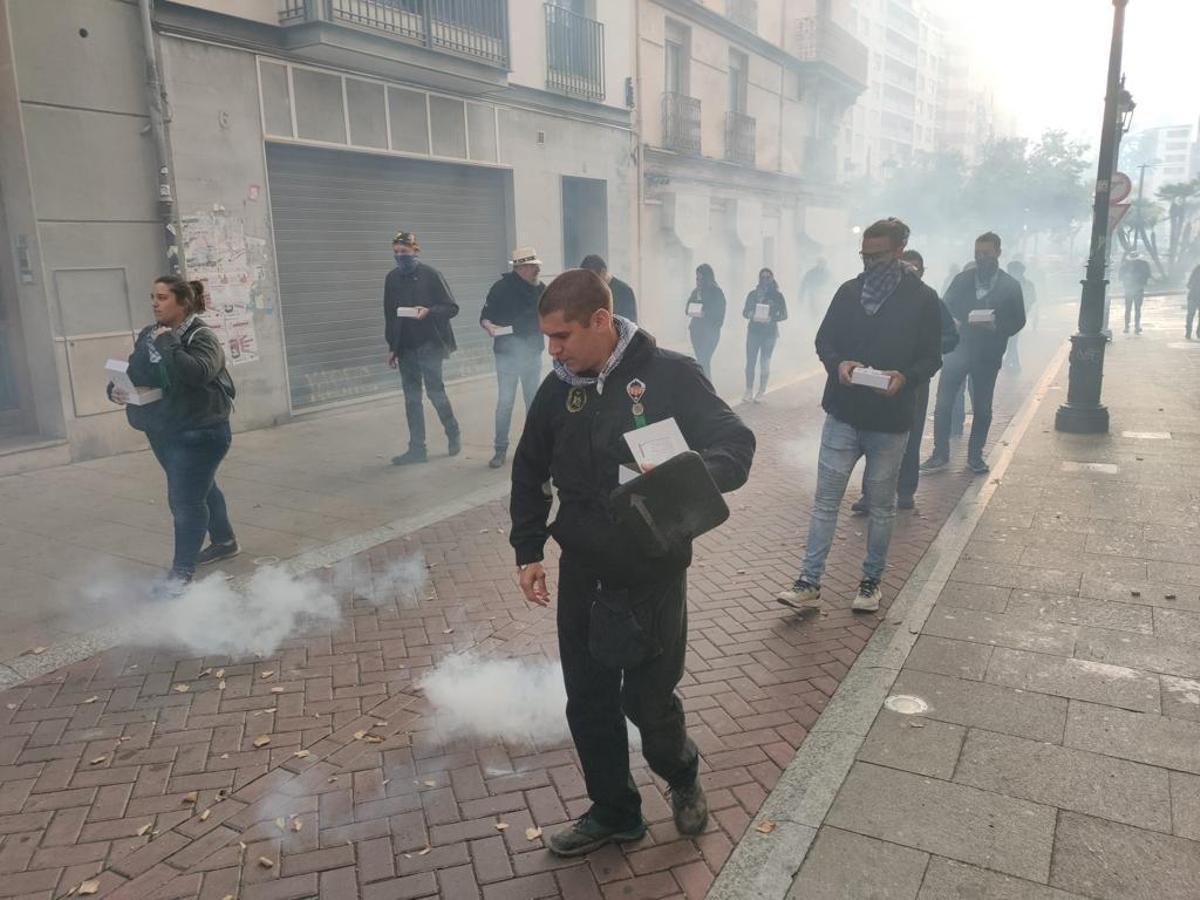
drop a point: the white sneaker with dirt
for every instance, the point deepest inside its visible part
(868, 597)
(801, 595)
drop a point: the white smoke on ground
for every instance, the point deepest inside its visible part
(514, 700)
(215, 615)
(404, 580)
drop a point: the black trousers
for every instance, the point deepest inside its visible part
(599, 698)
(421, 367)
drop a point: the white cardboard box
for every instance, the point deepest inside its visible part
(695, 310)
(868, 377)
(406, 312)
(501, 330)
(981, 316)
(762, 312)
(118, 374)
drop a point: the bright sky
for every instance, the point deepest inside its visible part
(1050, 59)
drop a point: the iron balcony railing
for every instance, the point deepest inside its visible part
(817, 39)
(743, 13)
(739, 138)
(681, 123)
(474, 28)
(574, 53)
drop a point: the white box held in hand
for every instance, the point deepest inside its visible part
(762, 312)
(981, 316)
(868, 377)
(406, 312)
(695, 310)
(501, 330)
(118, 374)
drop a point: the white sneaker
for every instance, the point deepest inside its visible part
(868, 597)
(802, 595)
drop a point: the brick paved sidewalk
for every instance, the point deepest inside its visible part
(1059, 756)
(148, 772)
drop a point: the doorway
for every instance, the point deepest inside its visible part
(584, 218)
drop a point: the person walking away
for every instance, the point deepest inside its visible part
(706, 309)
(1135, 275)
(988, 307)
(813, 286)
(1193, 301)
(188, 428)
(1016, 269)
(764, 309)
(509, 316)
(417, 309)
(624, 300)
(610, 378)
(910, 464)
(886, 319)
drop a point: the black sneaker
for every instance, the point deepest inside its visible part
(498, 459)
(934, 463)
(455, 445)
(868, 597)
(411, 457)
(690, 807)
(859, 508)
(978, 466)
(585, 834)
(217, 552)
(171, 585)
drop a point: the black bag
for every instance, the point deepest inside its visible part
(671, 505)
(616, 639)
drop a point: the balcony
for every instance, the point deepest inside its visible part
(476, 29)
(681, 123)
(820, 163)
(816, 39)
(739, 138)
(743, 13)
(574, 54)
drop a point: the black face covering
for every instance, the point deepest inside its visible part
(986, 266)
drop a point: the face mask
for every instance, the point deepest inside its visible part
(877, 265)
(407, 263)
(986, 266)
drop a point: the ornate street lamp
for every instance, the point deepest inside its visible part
(1083, 413)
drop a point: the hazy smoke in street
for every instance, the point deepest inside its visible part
(514, 700)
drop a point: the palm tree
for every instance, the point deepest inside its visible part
(1183, 199)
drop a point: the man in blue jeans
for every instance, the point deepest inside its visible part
(509, 316)
(888, 320)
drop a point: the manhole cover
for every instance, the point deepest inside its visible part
(906, 704)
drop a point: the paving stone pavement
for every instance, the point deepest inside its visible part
(321, 770)
(1059, 756)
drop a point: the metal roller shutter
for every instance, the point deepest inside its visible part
(335, 213)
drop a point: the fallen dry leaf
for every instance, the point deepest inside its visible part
(98, 760)
(267, 674)
(372, 739)
(423, 852)
(281, 824)
(190, 797)
(89, 887)
(36, 651)
(266, 862)
(204, 815)
(141, 831)
(91, 699)
(221, 685)
(359, 735)
(224, 756)
(532, 834)
(10, 706)
(380, 724)
(262, 740)
(206, 672)
(501, 826)
(263, 712)
(448, 631)
(220, 673)
(181, 689)
(301, 754)
(276, 690)
(297, 824)
(766, 826)
(430, 784)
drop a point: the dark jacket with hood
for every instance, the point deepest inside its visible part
(904, 335)
(514, 301)
(197, 389)
(624, 301)
(984, 345)
(772, 297)
(424, 286)
(712, 298)
(580, 445)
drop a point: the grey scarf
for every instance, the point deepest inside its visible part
(625, 332)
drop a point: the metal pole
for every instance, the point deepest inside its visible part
(1083, 413)
(156, 100)
(1141, 184)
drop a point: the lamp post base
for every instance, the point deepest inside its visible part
(1081, 420)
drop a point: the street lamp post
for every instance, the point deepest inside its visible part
(1083, 413)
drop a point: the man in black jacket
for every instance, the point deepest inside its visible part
(624, 301)
(885, 320)
(610, 378)
(910, 465)
(509, 315)
(417, 309)
(1135, 273)
(989, 308)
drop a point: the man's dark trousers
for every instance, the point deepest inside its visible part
(422, 366)
(956, 367)
(599, 699)
(910, 465)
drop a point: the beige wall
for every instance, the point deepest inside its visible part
(266, 11)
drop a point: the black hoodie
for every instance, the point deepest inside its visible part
(513, 301)
(580, 445)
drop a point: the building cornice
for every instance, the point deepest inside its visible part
(667, 167)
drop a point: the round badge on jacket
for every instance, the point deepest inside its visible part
(576, 399)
